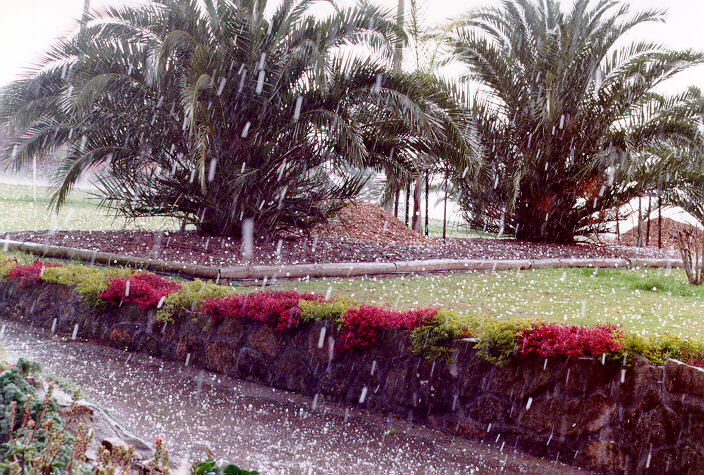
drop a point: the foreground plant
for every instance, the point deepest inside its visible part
(33, 435)
(36, 439)
(210, 466)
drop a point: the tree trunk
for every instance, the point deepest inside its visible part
(618, 227)
(444, 210)
(408, 201)
(647, 225)
(659, 220)
(559, 227)
(427, 200)
(397, 195)
(398, 47)
(417, 197)
(640, 224)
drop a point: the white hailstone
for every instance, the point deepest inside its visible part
(297, 109)
(245, 130)
(242, 78)
(211, 170)
(377, 84)
(321, 338)
(260, 82)
(248, 238)
(221, 87)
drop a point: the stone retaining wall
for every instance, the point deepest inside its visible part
(639, 419)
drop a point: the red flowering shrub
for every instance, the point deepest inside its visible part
(29, 275)
(552, 339)
(277, 309)
(145, 289)
(363, 324)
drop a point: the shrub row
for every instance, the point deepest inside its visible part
(432, 331)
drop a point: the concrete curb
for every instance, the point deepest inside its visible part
(341, 269)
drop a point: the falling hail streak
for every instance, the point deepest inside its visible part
(297, 110)
(248, 238)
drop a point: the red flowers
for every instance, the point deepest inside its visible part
(364, 324)
(145, 289)
(552, 339)
(29, 275)
(277, 309)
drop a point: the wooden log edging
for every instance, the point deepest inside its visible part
(340, 269)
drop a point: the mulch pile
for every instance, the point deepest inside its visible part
(669, 233)
(361, 232)
(366, 222)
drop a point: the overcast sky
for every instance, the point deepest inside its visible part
(28, 26)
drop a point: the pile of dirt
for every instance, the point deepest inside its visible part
(669, 233)
(366, 222)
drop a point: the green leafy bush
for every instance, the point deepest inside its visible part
(659, 349)
(88, 282)
(434, 341)
(6, 265)
(499, 339)
(190, 297)
(312, 311)
(209, 466)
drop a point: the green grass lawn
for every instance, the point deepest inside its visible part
(646, 301)
(19, 212)
(455, 230)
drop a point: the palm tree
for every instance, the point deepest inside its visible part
(217, 113)
(563, 107)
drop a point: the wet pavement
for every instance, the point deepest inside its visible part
(256, 427)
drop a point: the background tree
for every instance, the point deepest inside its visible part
(215, 113)
(562, 110)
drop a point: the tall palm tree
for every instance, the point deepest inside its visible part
(564, 105)
(217, 113)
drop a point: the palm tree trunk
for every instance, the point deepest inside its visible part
(408, 201)
(659, 220)
(417, 197)
(640, 224)
(647, 225)
(398, 58)
(444, 210)
(397, 195)
(398, 48)
(427, 200)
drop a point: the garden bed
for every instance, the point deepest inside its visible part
(587, 395)
(188, 247)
